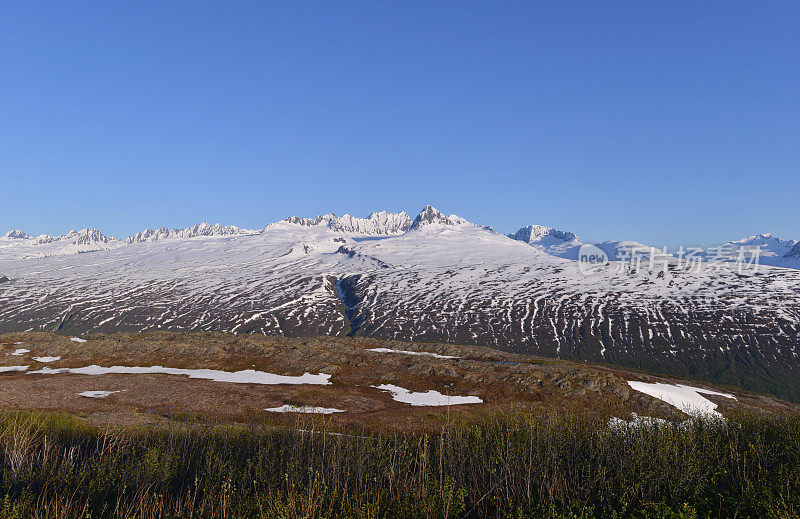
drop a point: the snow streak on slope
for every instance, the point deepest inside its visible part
(443, 279)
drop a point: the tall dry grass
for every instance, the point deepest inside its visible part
(512, 464)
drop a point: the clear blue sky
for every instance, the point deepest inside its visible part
(664, 122)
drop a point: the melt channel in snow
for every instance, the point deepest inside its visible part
(247, 376)
(430, 397)
(686, 398)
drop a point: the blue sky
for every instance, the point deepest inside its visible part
(667, 123)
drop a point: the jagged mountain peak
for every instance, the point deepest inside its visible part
(309, 222)
(77, 237)
(381, 223)
(89, 236)
(430, 215)
(17, 235)
(206, 229)
(377, 223)
(200, 229)
(773, 250)
(82, 237)
(535, 233)
(764, 237)
(794, 252)
(559, 243)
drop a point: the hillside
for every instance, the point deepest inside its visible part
(363, 382)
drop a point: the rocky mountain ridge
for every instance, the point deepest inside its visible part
(563, 244)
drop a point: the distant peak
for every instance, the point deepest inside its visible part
(380, 223)
(794, 252)
(200, 229)
(764, 236)
(457, 220)
(309, 222)
(377, 223)
(82, 237)
(17, 234)
(89, 236)
(430, 215)
(535, 233)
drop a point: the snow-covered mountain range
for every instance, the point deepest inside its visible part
(431, 278)
(17, 244)
(772, 251)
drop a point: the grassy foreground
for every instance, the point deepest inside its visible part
(515, 464)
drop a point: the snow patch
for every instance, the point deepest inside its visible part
(46, 359)
(406, 352)
(77, 339)
(97, 394)
(287, 408)
(686, 398)
(427, 398)
(6, 369)
(247, 376)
